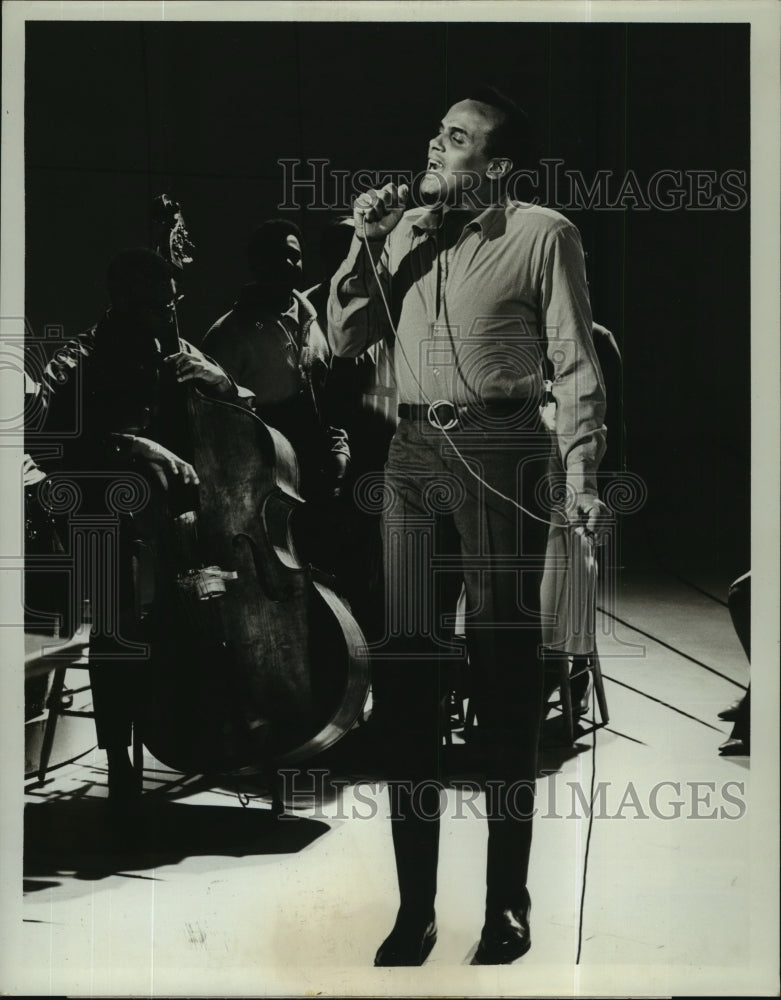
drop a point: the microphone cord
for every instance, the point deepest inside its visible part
(433, 412)
(590, 826)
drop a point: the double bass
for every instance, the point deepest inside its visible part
(255, 660)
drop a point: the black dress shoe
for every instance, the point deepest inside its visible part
(407, 944)
(730, 714)
(735, 748)
(506, 935)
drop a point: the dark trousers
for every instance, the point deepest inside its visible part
(441, 526)
(117, 657)
(112, 694)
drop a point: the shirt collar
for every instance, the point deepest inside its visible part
(302, 308)
(426, 222)
(491, 220)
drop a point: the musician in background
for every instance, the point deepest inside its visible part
(272, 342)
(46, 593)
(362, 397)
(128, 427)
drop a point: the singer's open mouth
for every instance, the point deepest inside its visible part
(434, 165)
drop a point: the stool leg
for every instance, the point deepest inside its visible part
(444, 719)
(469, 721)
(138, 755)
(53, 702)
(459, 709)
(272, 777)
(599, 687)
(566, 698)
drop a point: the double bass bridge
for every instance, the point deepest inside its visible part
(205, 583)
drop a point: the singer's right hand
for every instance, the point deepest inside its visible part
(376, 213)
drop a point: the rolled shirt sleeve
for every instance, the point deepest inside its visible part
(357, 317)
(578, 387)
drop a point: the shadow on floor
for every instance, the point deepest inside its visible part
(81, 839)
(78, 839)
(358, 757)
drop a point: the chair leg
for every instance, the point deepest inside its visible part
(599, 687)
(53, 702)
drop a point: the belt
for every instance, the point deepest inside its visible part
(445, 415)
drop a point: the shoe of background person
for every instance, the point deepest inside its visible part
(731, 713)
(735, 748)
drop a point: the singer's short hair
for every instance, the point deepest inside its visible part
(511, 138)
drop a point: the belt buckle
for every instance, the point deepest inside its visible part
(433, 419)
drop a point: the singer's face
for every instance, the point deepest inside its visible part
(457, 160)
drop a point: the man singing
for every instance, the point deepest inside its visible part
(486, 298)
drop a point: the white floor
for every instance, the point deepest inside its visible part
(216, 898)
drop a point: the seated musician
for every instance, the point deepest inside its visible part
(129, 425)
(363, 396)
(271, 341)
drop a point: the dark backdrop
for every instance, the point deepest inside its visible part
(118, 112)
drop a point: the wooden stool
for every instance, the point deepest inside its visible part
(562, 665)
(47, 654)
(44, 654)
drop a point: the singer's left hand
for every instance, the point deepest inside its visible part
(592, 517)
